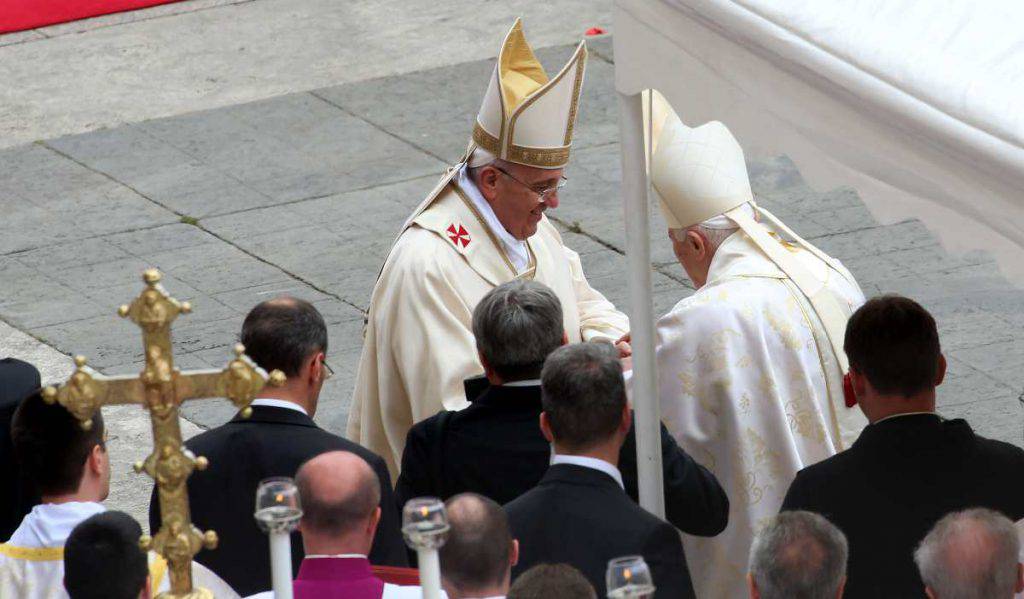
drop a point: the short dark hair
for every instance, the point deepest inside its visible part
(583, 393)
(337, 516)
(478, 550)
(103, 560)
(51, 446)
(516, 325)
(282, 333)
(892, 340)
(544, 581)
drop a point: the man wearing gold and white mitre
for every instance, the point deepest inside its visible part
(481, 226)
(750, 366)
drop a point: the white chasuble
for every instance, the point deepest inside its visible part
(750, 387)
(419, 345)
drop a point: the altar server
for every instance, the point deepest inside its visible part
(750, 366)
(70, 469)
(481, 226)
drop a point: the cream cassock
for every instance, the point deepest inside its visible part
(750, 366)
(419, 345)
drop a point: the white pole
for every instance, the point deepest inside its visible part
(281, 564)
(430, 573)
(638, 260)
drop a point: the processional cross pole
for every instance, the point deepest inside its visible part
(161, 389)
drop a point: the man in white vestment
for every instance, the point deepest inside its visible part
(750, 366)
(71, 470)
(481, 226)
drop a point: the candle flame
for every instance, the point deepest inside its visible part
(425, 511)
(627, 574)
(279, 498)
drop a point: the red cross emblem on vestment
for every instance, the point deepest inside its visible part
(458, 235)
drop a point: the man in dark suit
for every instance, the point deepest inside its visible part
(909, 467)
(580, 514)
(290, 335)
(495, 446)
(18, 380)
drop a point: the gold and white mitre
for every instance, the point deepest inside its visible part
(526, 117)
(699, 173)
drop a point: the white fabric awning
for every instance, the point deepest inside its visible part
(916, 104)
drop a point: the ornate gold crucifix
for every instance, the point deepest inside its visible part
(161, 389)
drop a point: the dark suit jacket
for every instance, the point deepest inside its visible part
(580, 516)
(896, 481)
(495, 448)
(18, 380)
(272, 442)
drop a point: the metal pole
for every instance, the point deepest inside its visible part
(641, 318)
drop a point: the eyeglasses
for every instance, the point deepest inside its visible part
(328, 371)
(541, 195)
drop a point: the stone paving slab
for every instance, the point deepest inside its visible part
(303, 194)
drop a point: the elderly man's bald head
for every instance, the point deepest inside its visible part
(478, 552)
(339, 493)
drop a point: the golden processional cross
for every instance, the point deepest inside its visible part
(161, 389)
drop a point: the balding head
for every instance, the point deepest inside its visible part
(798, 555)
(972, 554)
(340, 496)
(283, 333)
(477, 558)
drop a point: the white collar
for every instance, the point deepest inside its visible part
(901, 415)
(517, 249)
(522, 383)
(338, 556)
(49, 524)
(269, 402)
(596, 464)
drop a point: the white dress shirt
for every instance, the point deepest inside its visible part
(518, 251)
(268, 402)
(596, 464)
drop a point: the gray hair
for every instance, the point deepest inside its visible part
(798, 555)
(971, 554)
(516, 326)
(715, 236)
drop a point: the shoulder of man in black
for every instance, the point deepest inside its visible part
(415, 479)
(695, 502)
(276, 442)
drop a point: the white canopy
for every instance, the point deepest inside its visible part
(916, 104)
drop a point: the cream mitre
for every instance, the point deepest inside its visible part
(526, 117)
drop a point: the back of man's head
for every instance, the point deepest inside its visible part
(893, 341)
(798, 555)
(583, 394)
(476, 560)
(973, 554)
(51, 445)
(545, 581)
(282, 333)
(516, 325)
(103, 560)
(340, 495)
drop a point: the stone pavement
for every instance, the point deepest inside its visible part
(303, 193)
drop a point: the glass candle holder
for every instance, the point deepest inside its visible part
(629, 578)
(277, 505)
(424, 523)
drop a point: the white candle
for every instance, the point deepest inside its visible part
(430, 573)
(281, 564)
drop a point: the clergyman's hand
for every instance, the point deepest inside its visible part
(625, 349)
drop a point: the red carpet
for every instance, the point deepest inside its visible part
(17, 15)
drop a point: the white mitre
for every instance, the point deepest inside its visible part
(696, 173)
(526, 117)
